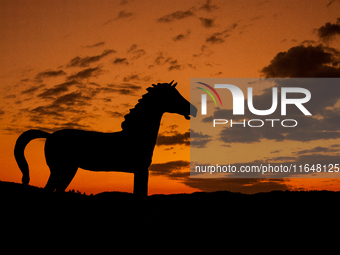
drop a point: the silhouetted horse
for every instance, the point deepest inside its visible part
(129, 150)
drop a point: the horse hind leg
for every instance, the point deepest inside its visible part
(51, 183)
(60, 178)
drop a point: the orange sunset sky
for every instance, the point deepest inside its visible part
(84, 63)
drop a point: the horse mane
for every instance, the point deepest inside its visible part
(133, 118)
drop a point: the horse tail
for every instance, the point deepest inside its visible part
(19, 149)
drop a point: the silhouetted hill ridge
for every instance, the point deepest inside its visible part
(248, 223)
(14, 193)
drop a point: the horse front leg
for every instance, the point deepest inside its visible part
(140, 186)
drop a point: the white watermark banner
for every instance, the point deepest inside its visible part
(265, 128)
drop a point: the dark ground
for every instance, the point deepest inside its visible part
(285, 222)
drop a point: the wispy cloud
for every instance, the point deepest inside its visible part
(49, 73)
(95, 45)
(124, 14)
(162, 60)
(57, 89)
(181, 37)
(86, 73)
(173, 138)
(72, 99)
(318, 149)
(86, 61)
(121, 15)
(124, 89)
(219, 37)
(120, 61)
(331, 2)
(32, 89)
(191, 138)
(176, 16)
(114, 114)
(208, 6)
(248, 186)
(136, 52)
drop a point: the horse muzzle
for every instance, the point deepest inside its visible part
(193, 112)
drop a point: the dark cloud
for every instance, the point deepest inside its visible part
(137, 53)
(305, 61)
(207, 23)
(120, 61)
(131, 77)
(49, 73)
(170, 169)
(62, 104)
(175, 67)
(51, 110)
(191, 138)
(135, 77)
(10, 96)
(161, 60)
(57, 89)
(181, 37)
(247, 186)
(318, 149)
(32, 89)
(65, 105)
(235, 135)
(199, 140)
(72, 125)
(52, 126)
(114, 114)
(176, 16)
(173, 127)
(86, 73)
(173, 138)
(65, 111)
(72, 99)
(132, 48)
(86, 61)
(124, 14)
(123, 89)
(209, 7)
(329, 31)
(220, 37)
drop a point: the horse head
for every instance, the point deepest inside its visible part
(172, 101)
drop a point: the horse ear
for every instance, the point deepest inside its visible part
(171, 82)
(174, 84)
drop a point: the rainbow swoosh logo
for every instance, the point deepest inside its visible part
(208, 92)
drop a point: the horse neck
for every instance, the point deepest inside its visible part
(144, 128)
